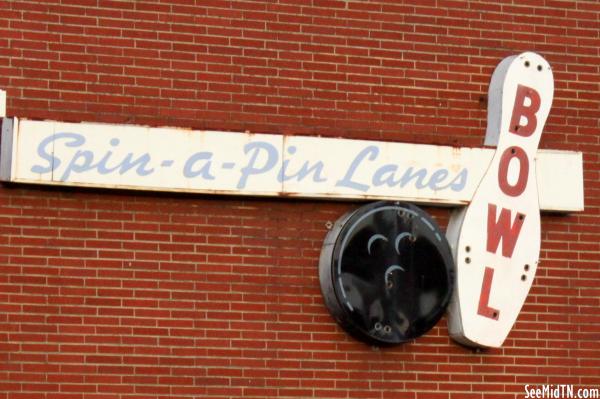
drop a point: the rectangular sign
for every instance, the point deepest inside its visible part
(168, 159)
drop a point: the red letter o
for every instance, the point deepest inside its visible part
(518, 188)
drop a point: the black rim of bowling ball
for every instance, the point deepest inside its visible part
(344, 315)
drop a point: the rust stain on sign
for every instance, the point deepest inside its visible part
(183, 160)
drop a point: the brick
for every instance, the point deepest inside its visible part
(143, 295)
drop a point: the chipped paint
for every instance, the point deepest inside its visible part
(211, 162)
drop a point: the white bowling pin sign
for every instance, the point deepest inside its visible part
(496, 238)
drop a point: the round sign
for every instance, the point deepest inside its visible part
(386, 272)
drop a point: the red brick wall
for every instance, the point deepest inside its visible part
(141, 295)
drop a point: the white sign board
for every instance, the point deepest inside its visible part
(496, 239)
(166, 159)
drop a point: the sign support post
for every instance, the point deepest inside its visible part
(2, 103)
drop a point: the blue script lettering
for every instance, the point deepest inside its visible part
(436, 178)
(305, 170)
(386, 175)
(204, 171)
(255, 149)
(141, 163)
(459, 182)
(83, 160)
(371, 152)
(391, 176)
(53, 162)
(419, 175)
(103, 168)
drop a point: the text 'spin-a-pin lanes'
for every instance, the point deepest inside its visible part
(496, 238)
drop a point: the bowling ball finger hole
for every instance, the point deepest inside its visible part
(523, 277)
(526, 267)
(527, 64)
(539, 68)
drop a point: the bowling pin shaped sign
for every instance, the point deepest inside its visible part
(496, 239)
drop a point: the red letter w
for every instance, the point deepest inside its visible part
(501, 229)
